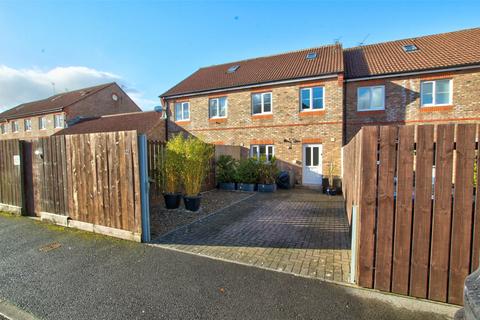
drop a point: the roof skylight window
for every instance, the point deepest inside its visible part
(311, 55)
(410, 48)
(232, 69)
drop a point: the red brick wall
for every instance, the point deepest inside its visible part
(286, 123)
(402, 101)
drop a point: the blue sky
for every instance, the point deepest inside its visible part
(149, 46)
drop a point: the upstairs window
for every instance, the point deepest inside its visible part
(218, 107)
(27, 123)
(259, 150)
(42, 123)
(312, 98)
(59, 121)
(3, 129)
(182, 111)
(14, 126)
(371, 98)
(437, 92)
(262, 103)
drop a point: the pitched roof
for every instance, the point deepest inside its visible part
(459, 48)
(285, 66)
(140, 121)
(56, 102)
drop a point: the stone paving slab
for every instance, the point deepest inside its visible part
(299, 231)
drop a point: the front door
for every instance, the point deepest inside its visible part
(312, 164)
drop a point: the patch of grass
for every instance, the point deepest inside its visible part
(8, 214)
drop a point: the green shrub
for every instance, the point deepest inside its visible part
(267, 170)
(226, 169)
(170, 165)
(247, 171)
(196, 164)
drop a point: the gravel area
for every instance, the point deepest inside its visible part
(163, 221)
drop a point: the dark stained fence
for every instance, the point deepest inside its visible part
(416, 190)
(11, 180)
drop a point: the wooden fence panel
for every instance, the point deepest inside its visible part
(462, 211)
(476, 220)
(11, 183)
(385, 215)
(403, 214)
(441, 222)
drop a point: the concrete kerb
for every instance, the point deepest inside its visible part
(12, 312)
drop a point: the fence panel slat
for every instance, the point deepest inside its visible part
(462, 211)
(442, 213)
(476, 218)
(403, 213)
(385, 215)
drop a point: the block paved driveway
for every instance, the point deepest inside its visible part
(299, 231)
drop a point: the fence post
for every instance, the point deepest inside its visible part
(144, 187)
(353, 252)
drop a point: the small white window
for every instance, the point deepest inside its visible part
(14, 126)
(218, 107)
(182, 111)
(371, 98)
(42, 123)
(59, 121)
(27, 123)
(259, 150)
(3, 128)
(312, 98)
(262, 103)
(436, 93)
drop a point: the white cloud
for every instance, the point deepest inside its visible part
(23, 85)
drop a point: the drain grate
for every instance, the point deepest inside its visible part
(50, 247)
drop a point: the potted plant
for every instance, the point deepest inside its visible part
(170, 167)
(196, 165)
(247, 174)
(226, 171)
(331, 189)
(267, 175)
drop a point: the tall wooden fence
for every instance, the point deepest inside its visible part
(418, 221)
(11, 185)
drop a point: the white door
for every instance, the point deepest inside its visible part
(312, 164)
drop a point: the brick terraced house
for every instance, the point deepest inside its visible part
(45, 117)
(288, 105)
(302, 106)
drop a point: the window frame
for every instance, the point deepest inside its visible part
(55, 117)
(218, 108)
(182, 103)
(29, 127)
(371, 88)
(3, 128)
(15, 126)
(262, 103)
(434, 91)
(266, 151)
(310, 109)
(42, 123)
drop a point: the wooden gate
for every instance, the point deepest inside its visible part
(416, 190)
(11, 176)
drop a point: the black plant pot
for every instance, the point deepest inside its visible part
(331, 191)
(172, 200)
(267, 187)
(192, 203)
(227, 186)
(246, 186)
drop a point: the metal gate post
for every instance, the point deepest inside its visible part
(144, 187)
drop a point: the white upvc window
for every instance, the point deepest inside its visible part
(312, 98)
(262, 103)
(59, 121)
(259, 150)
(15, 126)
(182, 111)
(42, 123)
(3, 128)
(217, 107)
(436, 93)
(27, 123)
(371, 98)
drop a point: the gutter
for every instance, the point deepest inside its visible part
(405, 74)
(265, 84)
(23, 115)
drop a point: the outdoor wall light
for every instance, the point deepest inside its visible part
(39, 152)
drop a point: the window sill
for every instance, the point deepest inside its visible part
(183, 122)
(370, 112)
(311, 113)
(262, 116)
(436, 108)
(217, 120)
